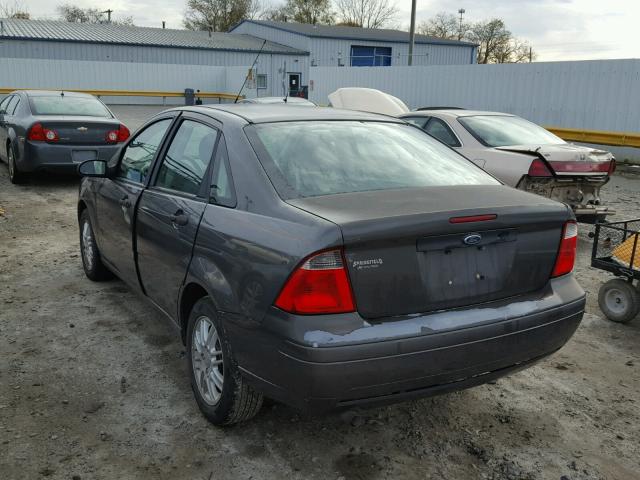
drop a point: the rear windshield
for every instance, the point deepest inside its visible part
(67, 105)
(505, 131)
(307, 159)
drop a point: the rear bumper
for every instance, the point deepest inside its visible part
(42, 156)
(356, 369)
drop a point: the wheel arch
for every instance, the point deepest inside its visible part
(191, 293)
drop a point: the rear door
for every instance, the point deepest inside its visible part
(170, 210)
(117, 197)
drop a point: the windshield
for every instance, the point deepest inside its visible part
(68, 105)
(503, 131)
(306, 159)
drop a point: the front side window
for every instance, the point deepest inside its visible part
(306, 159)
(137, 157)
(187, 158)
(440, 130)
(68, 105)
(505, 130)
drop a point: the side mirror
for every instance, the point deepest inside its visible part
(93, 168)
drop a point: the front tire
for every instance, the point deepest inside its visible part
(15, 176)
(619, 300)
(222, 394)
(92, 264)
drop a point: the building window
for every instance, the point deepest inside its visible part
(370, 56)
(262, 80)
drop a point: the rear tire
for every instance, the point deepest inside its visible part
(619, 300)
(222, 394)
(15, 176)
(92, 264)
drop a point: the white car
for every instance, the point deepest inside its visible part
(517, 152)
(524, 155)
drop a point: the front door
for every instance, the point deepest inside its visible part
(170, 211)
(117, 198)
(294, 84)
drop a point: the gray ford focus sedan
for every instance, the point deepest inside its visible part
(44, 130)
(328, 258)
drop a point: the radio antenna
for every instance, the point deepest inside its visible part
(250, 70)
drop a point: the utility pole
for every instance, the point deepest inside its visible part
(412, 31)
(462, 11)
(108, 12)
(530, 54)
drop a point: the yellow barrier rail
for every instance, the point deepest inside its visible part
(614, 139)
(134, 93)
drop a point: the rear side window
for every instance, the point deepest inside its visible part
(306, 159)
(440, 130)
(137, 157)
(506, 130)
(187, 158)
(12, 104)
(68, 105)
(3, 104)
(417, 121)
(222, 191)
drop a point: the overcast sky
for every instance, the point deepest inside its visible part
(557, 29)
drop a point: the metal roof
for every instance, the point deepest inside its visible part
(352, 33)
(139, 36)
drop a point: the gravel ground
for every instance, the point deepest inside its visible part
(93, 385)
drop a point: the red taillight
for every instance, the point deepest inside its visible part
(38, 133)
(319, 285)
(612, 167)
(567, 251)
(118, 136)
(539, 169)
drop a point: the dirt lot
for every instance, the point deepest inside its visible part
(93, 385)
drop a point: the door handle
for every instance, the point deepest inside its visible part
(124, 202)
(179, 218)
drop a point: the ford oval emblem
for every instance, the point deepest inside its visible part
(472, 239)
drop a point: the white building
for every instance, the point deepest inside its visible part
(61, 55)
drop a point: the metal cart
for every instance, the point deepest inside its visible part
(616, 249)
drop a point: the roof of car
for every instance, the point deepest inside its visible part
(55, 93)
(453, 112)
(257, 113)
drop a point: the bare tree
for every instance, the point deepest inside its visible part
(366, 13)
(15, 9)
(309, 11)
(218, 15)
(443, 25)
(73, 13)
(492, 38)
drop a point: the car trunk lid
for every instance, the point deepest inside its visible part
(405, 256)
(568, 159)
(80, 130)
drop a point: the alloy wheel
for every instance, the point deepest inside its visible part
(207, 360)
(87, 245)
